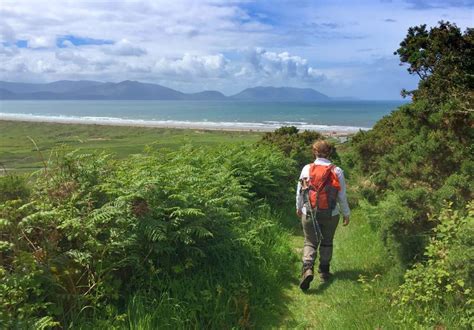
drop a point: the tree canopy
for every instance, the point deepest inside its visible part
(443, 58)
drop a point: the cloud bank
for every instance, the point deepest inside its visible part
(338, 47)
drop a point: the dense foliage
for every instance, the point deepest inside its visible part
(443, 59)
(439, 291)
(293, 143)
(191, 229)
(13, 187)
(423, 151)
(415, 161)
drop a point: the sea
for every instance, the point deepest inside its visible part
(341, 116)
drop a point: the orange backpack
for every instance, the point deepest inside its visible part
(324, 188)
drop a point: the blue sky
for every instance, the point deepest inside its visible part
(341, 48)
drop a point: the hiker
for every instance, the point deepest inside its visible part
(320, 188)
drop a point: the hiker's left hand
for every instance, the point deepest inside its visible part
(346, 221)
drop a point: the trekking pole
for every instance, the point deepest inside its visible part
(307, 204)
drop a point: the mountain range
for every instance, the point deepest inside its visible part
(134, 90)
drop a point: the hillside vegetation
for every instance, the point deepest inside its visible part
(416, 172)
(186, 235)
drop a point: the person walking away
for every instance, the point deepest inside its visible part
(320, 197)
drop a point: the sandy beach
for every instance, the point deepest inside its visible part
(333, 131)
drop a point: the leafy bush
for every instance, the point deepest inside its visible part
(422, 152)
(173, 225)
(400, 150)
(240, 282)
(428, 140)
(438, 292)
(263, 172)
(293, 144)
(401, 218)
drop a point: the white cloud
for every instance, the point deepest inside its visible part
(8, 51)
(15, 65)
(72, 56)
(7, 34)
(89, 60)
(316, 73)
(124, 48)
(188, 30)
(42, 42)
(281, 65)
(41, 66)
(67, 43)
(193, 66)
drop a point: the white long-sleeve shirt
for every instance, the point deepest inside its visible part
(341, 196)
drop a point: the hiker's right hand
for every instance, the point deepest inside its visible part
(299, 213)
(346, 220)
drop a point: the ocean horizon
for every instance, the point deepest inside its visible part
(341, 116)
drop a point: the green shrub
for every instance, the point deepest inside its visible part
(173, 225)
(401, 219)
(438, 291)
(263, 172)
(422, 152)
(241, 282)
(293, 144)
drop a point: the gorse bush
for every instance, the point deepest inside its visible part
(425, 142)
(293, 143)
(172, 225)
(394, 218)
(401, 152)
(422, 152)
(439, 290)
(415, 161)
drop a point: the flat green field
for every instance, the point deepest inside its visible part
(18, 152)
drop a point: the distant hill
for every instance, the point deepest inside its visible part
(6, 94)
(207, 95)
(134, 90)
(345, 98)
(129, 90)
(280, 94)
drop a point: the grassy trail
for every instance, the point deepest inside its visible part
(357, 297)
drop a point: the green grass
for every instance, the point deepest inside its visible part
(18, 153)
(357, 297)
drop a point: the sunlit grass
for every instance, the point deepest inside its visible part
(18, 153)
(358, 296)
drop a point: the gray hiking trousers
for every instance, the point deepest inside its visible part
(328, 227)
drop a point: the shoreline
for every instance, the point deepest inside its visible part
(332, 131)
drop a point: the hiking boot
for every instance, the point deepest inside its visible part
(324, 274)
(306, 277)
(324, 277)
